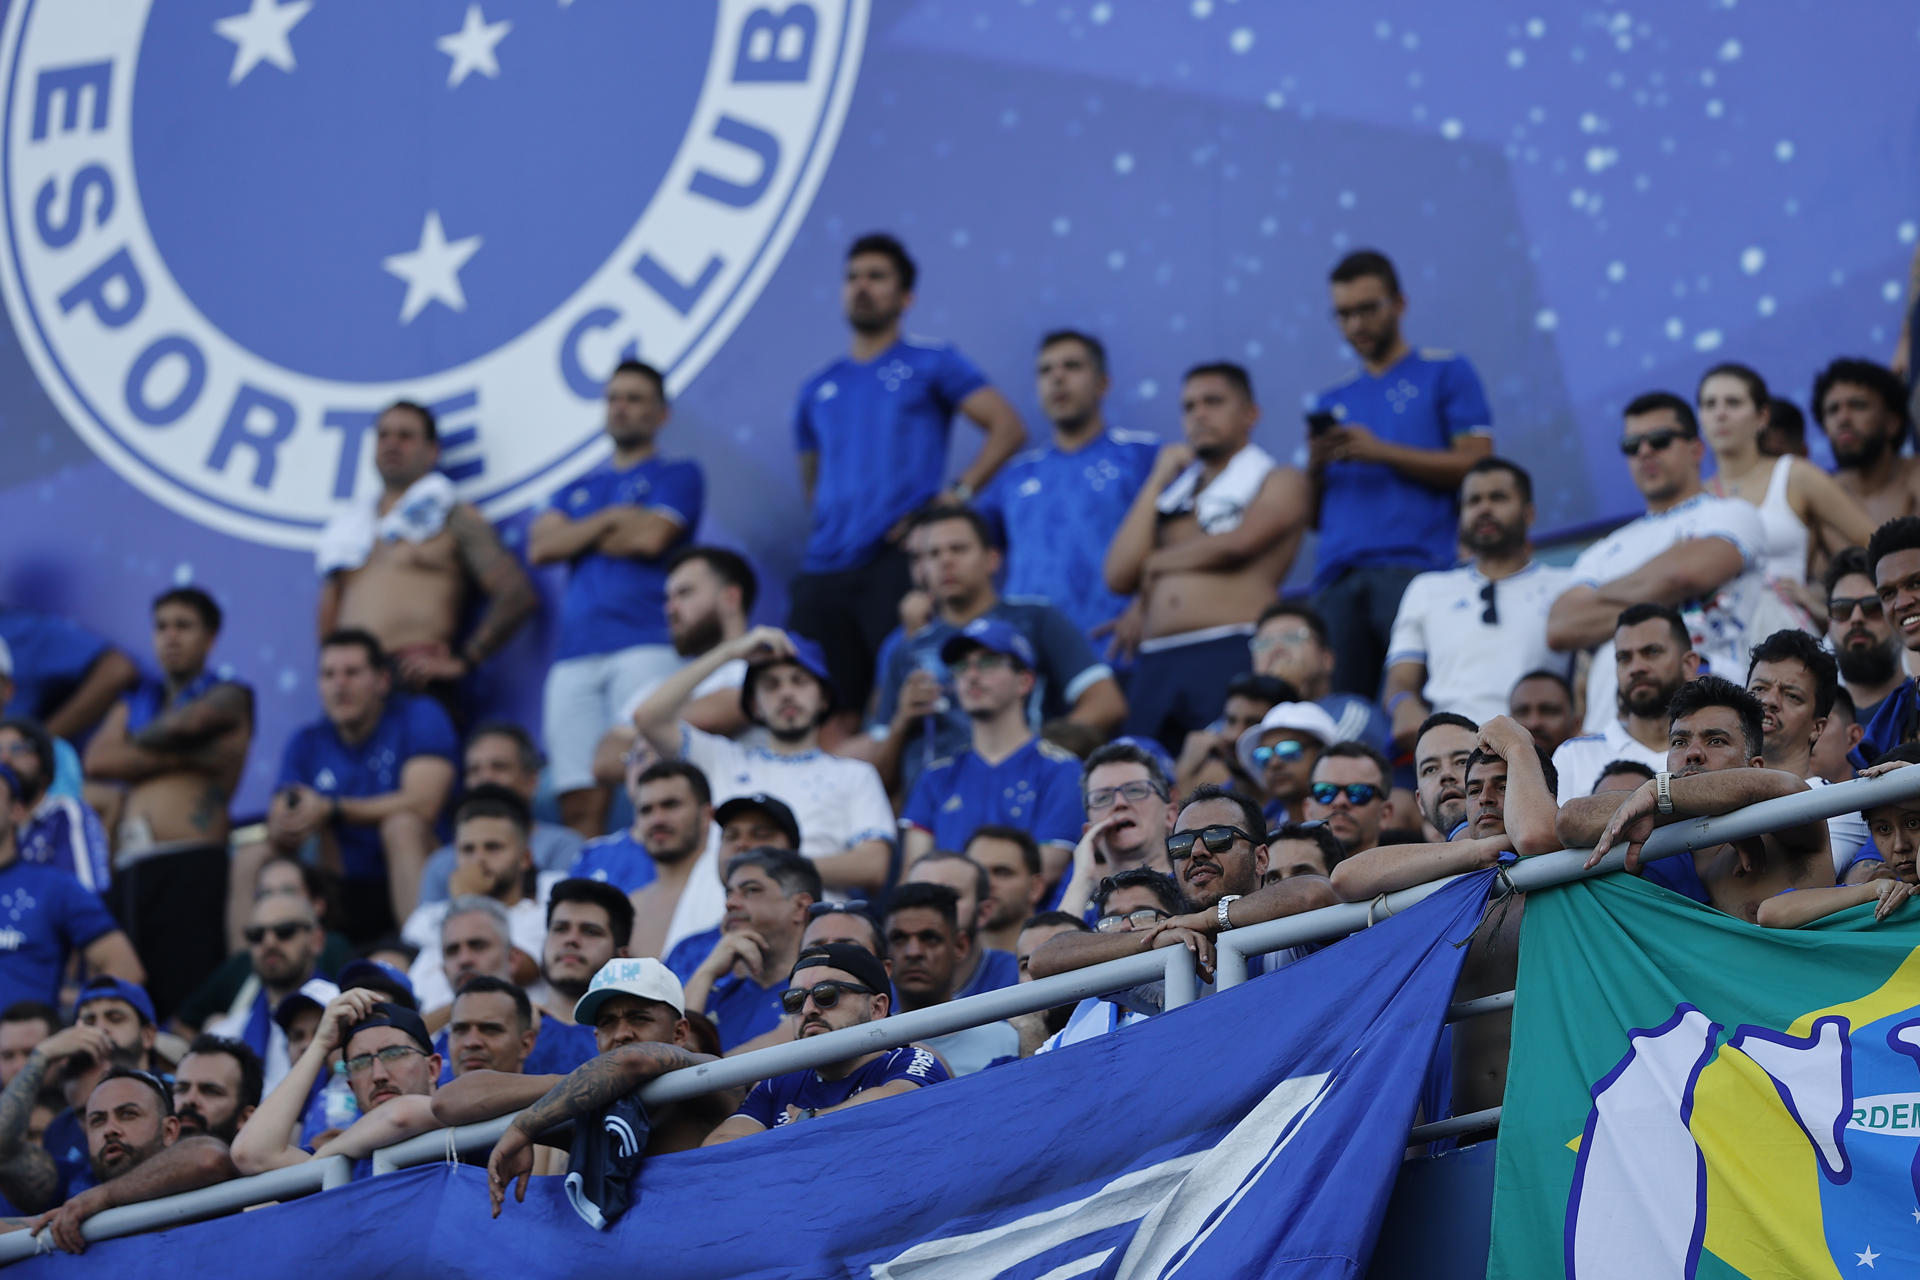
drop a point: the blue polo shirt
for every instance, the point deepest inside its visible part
(997, 969)
(50, 657)
(45, 916)
(1370, 514)
(66, 834)
(617, 602)
(1893, 721)
(618, 860)
(742, 1009)
(1037, 789)
(1057, 511)
(1065, 667)
(767, 1102)
(879, 430)
(316, 755)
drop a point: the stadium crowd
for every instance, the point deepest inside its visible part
(1047, 713)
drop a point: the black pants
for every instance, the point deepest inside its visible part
(848, 613)
(174, 909)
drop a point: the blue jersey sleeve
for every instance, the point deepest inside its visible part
(913, 1064)
(760, 1104)
(429, 731)
(1066, 658)
(1060, 815)
(83, 920)
(681, 491)
(922, 806)
(1463, 402)
(956, 377)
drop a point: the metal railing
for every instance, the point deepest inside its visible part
(1171, 966)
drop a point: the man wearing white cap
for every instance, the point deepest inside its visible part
(1279, 754)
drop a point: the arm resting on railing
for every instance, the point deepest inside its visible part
(187, 1165)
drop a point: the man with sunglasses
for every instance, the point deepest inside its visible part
(1654, 658)
(1279, 753)
(283, 940)
(1695, 552)
(832, 988)
(1871, 657)
(1350, 792)
(1007, 775)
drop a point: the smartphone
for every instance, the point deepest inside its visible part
(1320, 423)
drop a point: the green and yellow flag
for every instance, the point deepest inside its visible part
(1691, 1095)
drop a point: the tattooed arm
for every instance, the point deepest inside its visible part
(28, 1177)
(511, 599)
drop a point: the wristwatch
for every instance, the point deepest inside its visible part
(1663, 791)
(1220, 912)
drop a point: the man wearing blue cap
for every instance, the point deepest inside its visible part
(846, 822)
(1007, 776)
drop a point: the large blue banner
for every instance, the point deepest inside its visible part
(235, 228)
(1254, 1133)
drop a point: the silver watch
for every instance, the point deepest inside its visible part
(1220, 912)
(1663, 791)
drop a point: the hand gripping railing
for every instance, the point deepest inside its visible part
(1172, 966)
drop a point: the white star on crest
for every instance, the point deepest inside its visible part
(471, 47)
(432, 271)
(1866, 1259)
(260, 35)
(1916, 1215)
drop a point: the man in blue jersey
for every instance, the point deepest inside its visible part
(502, 754)
(738, 984)
(928, 945)
(832, 987)
(672, 822)
(914, 720)
(871, 430)
(59, 673)
(1408, 426)
(979, 967)
(669, 918)
(59, 831)
(616, 527)
(1006, 774)
(1059, 505)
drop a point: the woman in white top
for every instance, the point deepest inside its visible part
(1805, 513)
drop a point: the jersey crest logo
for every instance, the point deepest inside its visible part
(237, 229)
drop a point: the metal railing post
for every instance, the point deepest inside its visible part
(1183, 978)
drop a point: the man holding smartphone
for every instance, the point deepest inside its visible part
(1387, 450)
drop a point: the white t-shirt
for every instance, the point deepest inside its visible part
(1472, 665)
(1579, 761)
(730, 674)
(837, 802)
(526, 927)
(1724, 626)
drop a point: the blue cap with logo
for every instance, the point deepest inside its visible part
(990, 634)
(104, 988)
(806, 655)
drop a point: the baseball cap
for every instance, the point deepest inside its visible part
(846, 957)
(314, 993)
(104, 988)
(377, 975)
(399, 1017)
(806, 655)
(760, 802)
(992, 635)
(644, 979)
(1301, 717)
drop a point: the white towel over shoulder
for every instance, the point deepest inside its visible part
(421, 513)
(1223, 504)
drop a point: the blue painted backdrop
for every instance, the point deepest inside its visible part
(1587, 202)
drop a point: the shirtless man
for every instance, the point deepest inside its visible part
(402, 572)
(175, 746)
(1862, 407)
(1510, 786)
(1715, 762)
(1205, 545)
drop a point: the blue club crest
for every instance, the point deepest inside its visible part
(236, 229)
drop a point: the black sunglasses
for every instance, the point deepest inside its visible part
(1358, 793)
(825, 995)
(285, 931)
(1840, 608)
(1218, 838)
(1660, 440)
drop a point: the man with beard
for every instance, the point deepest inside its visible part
(710, 595)
(284, 941)
(846, 821)
(614, 527)
(138, 1149)
(1862, 407)
(1869, 653)
(1351, 792)
(1462, 633)
(1060, 504)
(588, 924)
(1692, 551)
(672, 821)
(1204, 547)
(1654, 657)
(1015, 883)
(502, 754)
(871, 430)
(1441, 747)
(1542, 702)
(833, 987)
(695, 890)
(1713, 766)
(216, 1087)
(1406, 426)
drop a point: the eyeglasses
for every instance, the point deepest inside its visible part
(1660, 440)
(1284, 640)
(1491, 615)
(1357, 793)
(1142, 918)
(1281, 751)
(851, 907)
(285, 931)
(1218, 838)
(825, 995)
(1135, 792)
(392, 1056)
(980, 660)
(1840, 608)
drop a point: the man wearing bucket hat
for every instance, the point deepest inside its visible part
(1279, 754)
(833, 987)
(844, 816)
